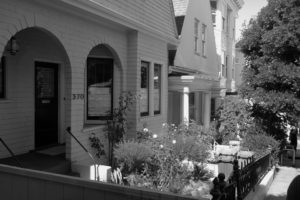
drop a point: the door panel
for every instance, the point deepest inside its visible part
(46, 104)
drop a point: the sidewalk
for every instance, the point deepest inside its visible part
(283, 178)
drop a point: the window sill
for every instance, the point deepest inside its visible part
(92, 127)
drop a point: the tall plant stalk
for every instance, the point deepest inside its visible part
(117, 127)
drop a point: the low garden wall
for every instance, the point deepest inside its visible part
(24, 184)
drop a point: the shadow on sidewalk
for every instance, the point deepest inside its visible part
(272, 197)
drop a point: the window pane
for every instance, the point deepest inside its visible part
(144, 101)
(192, 107)
(212, 109)
(99, 88)
(213, 5)
(196, 35)
(157, 88)
(203, 40)
(2, 78)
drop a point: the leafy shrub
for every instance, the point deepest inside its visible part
(97, 145)
(191, 148)
(132, 156)
(197, 189)
(260, 143)
(165, 161)
(117, 126)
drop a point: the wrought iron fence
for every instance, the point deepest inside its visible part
(244, 179)
(252, 174)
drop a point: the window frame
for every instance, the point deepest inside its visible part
(196, 35)
(98, 119)
(3, 77)
(157, 112)
(203, 39)
(144, 114)
(213, 5)
(223, 23)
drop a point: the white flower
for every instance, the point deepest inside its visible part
(154, 135)
(164, 124)
(145, 130)
(161, 146)
(174, 141)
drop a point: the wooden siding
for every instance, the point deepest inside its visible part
(78, 34)
(23, 184)
(156, 14)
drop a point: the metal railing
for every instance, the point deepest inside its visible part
(253, 173)
(96, 166)
(11, 153)
(243, 179)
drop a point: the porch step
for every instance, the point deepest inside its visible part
(33, 160)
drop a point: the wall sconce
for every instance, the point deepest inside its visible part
(12, 46)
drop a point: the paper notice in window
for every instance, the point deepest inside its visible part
(144, 101)
(156, 94)
(99, 101)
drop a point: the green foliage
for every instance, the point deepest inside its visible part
(165, 161)
(233, 116)
(191, 148)
(260, 143)
(116, 127)
(271, 77)
(132, 156)
(97, 145)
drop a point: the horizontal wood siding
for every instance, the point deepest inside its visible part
(22, 184)
(155, 51)
(156, 14)
(77, 36)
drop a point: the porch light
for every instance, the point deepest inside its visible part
(13, 46)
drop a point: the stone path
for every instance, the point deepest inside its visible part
(283, 178)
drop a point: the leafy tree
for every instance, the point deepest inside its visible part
(233, 118)
(271, 76)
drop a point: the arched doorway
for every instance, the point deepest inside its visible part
(35, 85)
(103, 83)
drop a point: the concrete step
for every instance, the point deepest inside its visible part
(33, 160)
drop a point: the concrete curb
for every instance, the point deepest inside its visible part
(262, 188)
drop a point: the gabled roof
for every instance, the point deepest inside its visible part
(180, 7)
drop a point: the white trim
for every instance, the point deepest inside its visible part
(152, 62)
(97, 9)
(96, 122)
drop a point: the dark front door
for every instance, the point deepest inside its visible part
(46, 104)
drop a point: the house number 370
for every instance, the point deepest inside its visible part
(77, 96)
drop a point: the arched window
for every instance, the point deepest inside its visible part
(99, 84)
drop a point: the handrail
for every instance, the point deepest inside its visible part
(11, 153)
(68, 129)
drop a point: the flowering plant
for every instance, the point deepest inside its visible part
(177, 156)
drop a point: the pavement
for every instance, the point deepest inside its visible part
(284, 176)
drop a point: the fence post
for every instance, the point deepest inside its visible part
(236, 173)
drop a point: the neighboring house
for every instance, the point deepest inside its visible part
(65, 64)
(224, 14)
(193, 78)
(239, 65)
